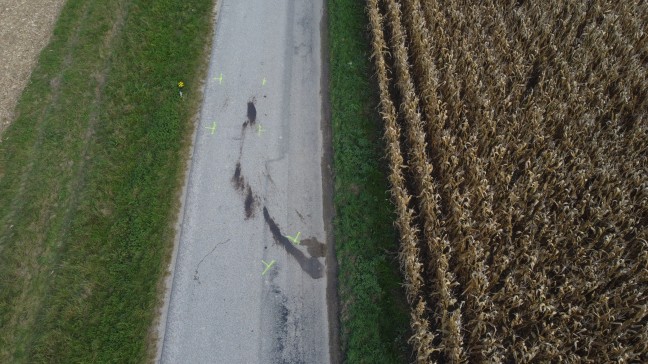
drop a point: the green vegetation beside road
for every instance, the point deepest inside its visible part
(374, 312)
(90, 172)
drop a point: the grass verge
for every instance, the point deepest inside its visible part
(373, 311)
(89, 175)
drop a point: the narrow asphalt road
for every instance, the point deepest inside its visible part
(252, 266)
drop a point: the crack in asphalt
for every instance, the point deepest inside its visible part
(196, 277)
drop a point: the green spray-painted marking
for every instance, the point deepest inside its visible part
(212, 128)
(267, 266)
(220, 79)
(295, 240)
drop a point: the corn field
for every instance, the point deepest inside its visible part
(517, 137)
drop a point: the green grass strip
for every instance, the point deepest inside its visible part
(89, 176)
(374, 313)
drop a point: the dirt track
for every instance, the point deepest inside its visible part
(25, 28)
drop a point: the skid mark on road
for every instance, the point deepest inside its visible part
(237, 179)
(284, 337)
(251, 203)
(251, 200)
(311, 265)
(251, 111)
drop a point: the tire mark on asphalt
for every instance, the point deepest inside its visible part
(251, 200)
(312, 266)
(237, 179)
(250, 204)
(251, 111)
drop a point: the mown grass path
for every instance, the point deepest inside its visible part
(89, 173)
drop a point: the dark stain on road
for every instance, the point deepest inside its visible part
(280, 315)
(311, 266)
(237, 179)
(250, 204)
(251, 112)
(283, 328)
(315, 248)
(251, 119)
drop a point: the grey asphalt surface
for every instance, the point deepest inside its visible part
(243, 291)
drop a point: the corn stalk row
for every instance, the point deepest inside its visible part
(422, 338)
(524, 127)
